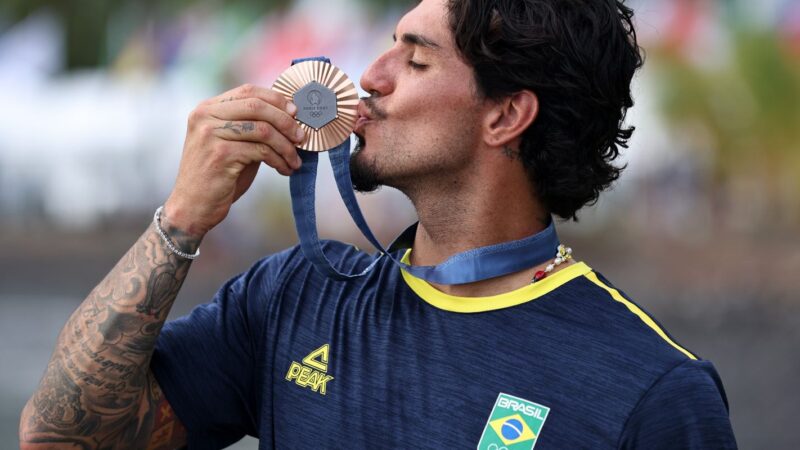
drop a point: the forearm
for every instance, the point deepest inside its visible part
(96, 392)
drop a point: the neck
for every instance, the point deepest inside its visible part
(462, 213)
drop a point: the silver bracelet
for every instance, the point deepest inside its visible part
(170, 245)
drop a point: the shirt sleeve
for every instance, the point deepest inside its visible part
(686, 408)
(206, 362)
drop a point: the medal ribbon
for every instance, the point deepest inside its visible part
(466, 267)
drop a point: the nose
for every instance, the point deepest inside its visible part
(377, 79)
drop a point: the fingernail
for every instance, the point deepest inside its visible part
(300, 134)
(291, 108)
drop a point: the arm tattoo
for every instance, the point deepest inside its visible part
(238, 128)
(511, 153)
(168, 431)
(97, 390)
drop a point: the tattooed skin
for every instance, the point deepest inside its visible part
(238, 128)
(97, 391)
(511, 153)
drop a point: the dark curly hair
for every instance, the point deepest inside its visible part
(578, 57)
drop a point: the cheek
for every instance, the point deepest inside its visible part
(451, 114)
(439, 106)
(452, 95)
(433, 108)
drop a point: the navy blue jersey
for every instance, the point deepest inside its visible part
(388, 362)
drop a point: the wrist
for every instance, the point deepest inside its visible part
(180, 230)
(179, 221)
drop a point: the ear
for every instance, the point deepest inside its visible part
(509, 117)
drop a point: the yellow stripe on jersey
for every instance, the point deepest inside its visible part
(638, 311)
(524, 294)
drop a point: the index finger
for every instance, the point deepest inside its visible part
(252, 91)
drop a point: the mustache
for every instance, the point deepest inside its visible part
(375, 111)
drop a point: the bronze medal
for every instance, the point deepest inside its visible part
(326, 100)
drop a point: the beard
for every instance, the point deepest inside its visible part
(363, 172)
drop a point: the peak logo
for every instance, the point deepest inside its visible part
(313, 372)
(513, 424)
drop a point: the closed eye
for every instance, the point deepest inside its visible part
(417, 66)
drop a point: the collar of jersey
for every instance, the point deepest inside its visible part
(524, 294)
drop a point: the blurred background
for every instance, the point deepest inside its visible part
(702, 230)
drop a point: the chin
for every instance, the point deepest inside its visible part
(363, 170)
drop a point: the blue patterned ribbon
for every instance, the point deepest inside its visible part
(466, 267)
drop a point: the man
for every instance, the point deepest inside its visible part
(491, 116)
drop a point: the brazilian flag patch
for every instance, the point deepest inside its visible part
(514, 424)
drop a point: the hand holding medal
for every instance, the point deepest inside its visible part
(228, 137)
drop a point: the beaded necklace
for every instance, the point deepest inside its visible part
(563, 254)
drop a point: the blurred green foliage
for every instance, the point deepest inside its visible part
(750, 105)
(86, 21)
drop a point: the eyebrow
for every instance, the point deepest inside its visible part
(419, 40)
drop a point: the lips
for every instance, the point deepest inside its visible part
(364, 117)
(360, 124)
(363, 110)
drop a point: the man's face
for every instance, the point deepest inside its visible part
(422, 121)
